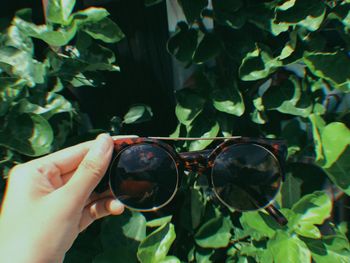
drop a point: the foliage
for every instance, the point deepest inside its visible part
(266, 69)
(35, 117)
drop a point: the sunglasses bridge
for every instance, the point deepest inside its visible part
(196, 161)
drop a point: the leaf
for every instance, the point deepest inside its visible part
(228, 100)
(89, 15)
(58, 11)
(288, 249)
(192, 8)
(27, 133)
(208, 48)
(335, 139)
(258, 64)
(152, 2)
(338, 172)
(18, 63)
(334, 248)
(126, 230)
(203, 255)
(45, 104)
(258, 222)
(170, 259)
(105, 30)
(183, 44)
(288, 98)
(326, 65)
(309, 14)
(311, 210)
(154, 248)
(57, 38)
(291, 190)
(189, 106)
(202, 128)
(227, 12)
(159, 221)
(198, 203)
(137, 114)
(215, 233)
(318, 125)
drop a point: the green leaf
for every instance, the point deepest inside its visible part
(27, 133)
(152, 2)
(215, 233)
(338, 172)
(228, 100)
(189, 106)
(307, 13)
(259, 222)
(57, 38)
(288, 249)
(159, 221)
(202, 128)
(311, 210)
(296, 136)
(90, 15)
(126, 231)
(58, 11)
(203, 255)
(105, 30)
(193, 8)
(170, 259)
(334, 248)
(227, 12)
(154, 248)
(208, 48)
(258, 64)
(327, 65)
(183, 44)
(45, 104)
(288, 98)
(291, 190)
(198, 203)
(318, 125)
(138, 114)
(335, 139)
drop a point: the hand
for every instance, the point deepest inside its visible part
(49, 201)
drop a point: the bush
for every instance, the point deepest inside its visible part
(275, 69)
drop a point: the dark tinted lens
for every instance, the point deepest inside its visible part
(144, 177)
(246, 176)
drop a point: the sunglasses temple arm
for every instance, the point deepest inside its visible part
(277, 215)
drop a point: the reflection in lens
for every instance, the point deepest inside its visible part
(144, 177)
(246, 176)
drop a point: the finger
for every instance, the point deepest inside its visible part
(92, 168)
(99, 209)
(96, 196)
(66, 160)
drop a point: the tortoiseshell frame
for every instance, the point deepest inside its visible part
(202, 161)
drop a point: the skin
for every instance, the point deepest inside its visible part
(50, 200)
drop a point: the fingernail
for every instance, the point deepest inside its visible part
(116, 205)
(104, 142)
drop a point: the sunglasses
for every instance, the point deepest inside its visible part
(245, 174)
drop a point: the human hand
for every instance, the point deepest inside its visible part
(49, 201)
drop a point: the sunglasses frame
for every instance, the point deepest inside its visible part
(203, 160)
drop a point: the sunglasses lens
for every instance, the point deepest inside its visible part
(246, 176)
(144, 177)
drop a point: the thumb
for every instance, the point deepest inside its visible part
(92, 168)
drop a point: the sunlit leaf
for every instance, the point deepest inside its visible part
(288, 249)
(311, 210)
(137, 114)
(155, 247)
(215, 233)
(58, 11)
(27, 133)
